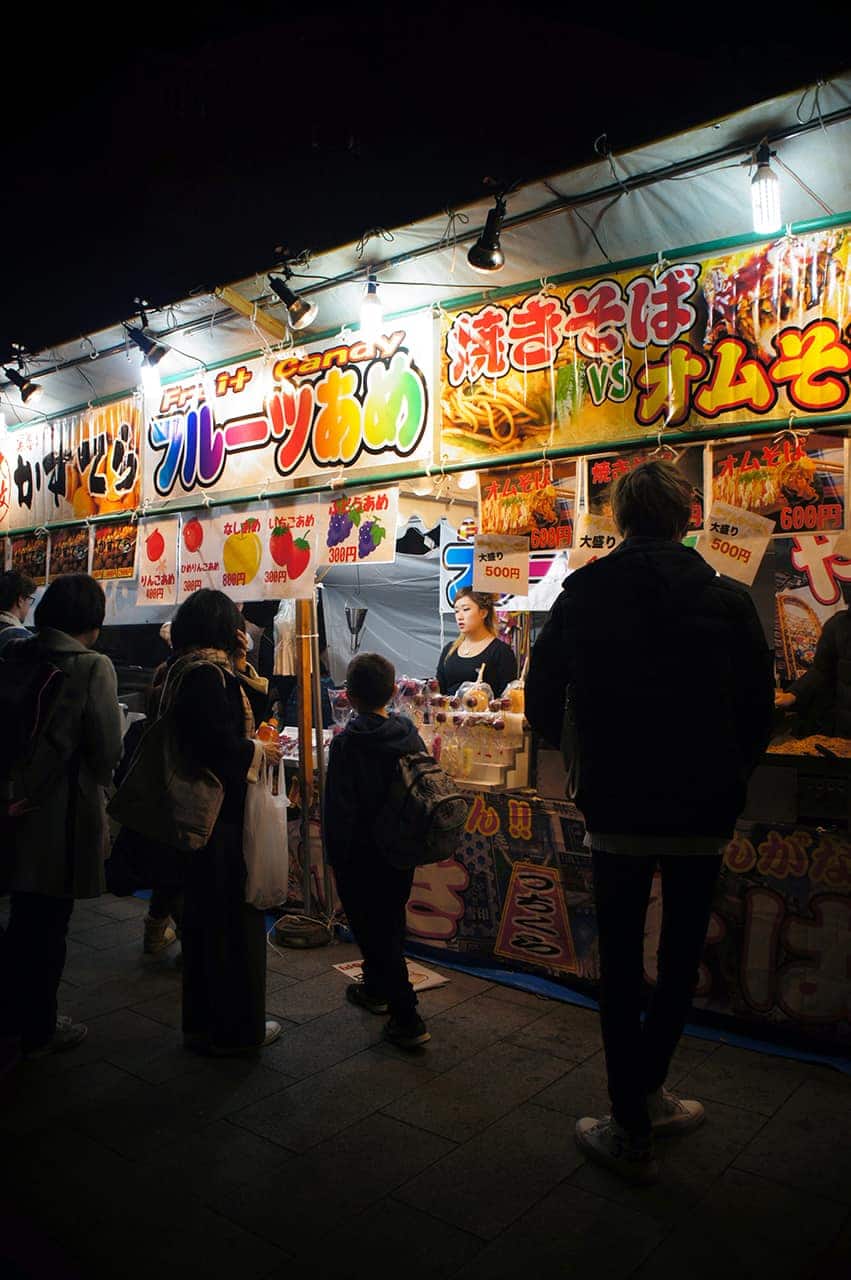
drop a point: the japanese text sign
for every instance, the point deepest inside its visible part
(87, 464)
(69, 550)
(537, 501)
(604, 470)
(268, 551)
(29, 556)
(158, 561)
(360, 527)
(735, 542)
(342, 404)
(501, 563)
(596, 536)
(798, 482)
(733, 338)
(293, 543)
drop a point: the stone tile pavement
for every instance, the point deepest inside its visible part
(338, 1155)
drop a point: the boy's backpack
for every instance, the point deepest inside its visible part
(30, 684)
(422, 816)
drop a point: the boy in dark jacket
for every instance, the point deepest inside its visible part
(671, 682)
(361, 764)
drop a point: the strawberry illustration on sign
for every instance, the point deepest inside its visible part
(299, 558)
(281, 545)
(193, 535)
(154, 546)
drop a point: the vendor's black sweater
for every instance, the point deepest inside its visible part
(673, 690)
(824, 692)
(499, 662)
(360, 765)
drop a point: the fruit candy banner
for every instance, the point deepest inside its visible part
(114, 551)
(158, 561)
(603, 471)
(29, 556)
(270, 551)
(361, 528)
(70, 550)
(86, 464)
(796, 481)
(538, 502)
(758, 333)
(335, 404)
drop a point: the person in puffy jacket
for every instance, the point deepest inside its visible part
(361, 763)
(671, 684)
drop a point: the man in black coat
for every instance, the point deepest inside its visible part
(671, 684)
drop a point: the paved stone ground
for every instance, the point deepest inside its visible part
(339, 1156)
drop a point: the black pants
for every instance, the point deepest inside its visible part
(32, 957)
(638, 1057)
(164, 903)
(374, 895)
(224, 947)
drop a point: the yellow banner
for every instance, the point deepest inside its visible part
(685, 345)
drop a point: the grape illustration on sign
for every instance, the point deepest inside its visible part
(362, 528)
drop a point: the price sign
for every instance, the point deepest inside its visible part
(735, 542)
(501, 564)
(595, 536)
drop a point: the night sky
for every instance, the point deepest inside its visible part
(181, 160)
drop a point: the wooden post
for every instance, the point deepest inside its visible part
(304, 628)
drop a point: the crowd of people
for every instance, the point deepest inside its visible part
(647, 646)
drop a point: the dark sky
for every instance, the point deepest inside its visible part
(151, 157)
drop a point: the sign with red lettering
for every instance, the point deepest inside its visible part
(797, 481)
(158, 561)
(114, 551)
(501, 564)
(360, 528)
(735, 542)
(537, 501)
(534, 927)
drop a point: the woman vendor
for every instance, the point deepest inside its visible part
(477, 643)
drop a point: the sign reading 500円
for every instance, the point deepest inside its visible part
(339, 405)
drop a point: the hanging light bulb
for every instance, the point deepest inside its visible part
(152, 351)
(468, 480)
(300, 313)
(29, 390)
(486, 254)
(765, 194)
(150, 381)
(371, 313)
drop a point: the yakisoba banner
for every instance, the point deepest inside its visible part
(336, 404)
(85, 464)
(699, 343)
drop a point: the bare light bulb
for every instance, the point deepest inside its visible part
(371, 313)
(468, 480)
(150, 381)
(765, 195)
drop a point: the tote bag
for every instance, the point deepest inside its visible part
(264, 839)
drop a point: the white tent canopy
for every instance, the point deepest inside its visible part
(688, 189)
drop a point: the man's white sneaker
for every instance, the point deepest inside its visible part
(606, 1143)
(670, 1115)
(67, 1035)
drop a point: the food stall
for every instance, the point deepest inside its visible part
(286, 463)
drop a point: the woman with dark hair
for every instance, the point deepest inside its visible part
(61, 841)
(477, 643)
(224, 939)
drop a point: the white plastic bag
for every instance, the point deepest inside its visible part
(264, 839)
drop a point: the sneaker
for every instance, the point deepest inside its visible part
(273, 1030)
(158, 936)
(606, 1143)
(670, 1114)
(357, 993)
(67, 1035)
(407, 1035)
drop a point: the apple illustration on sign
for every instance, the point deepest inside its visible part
(193, 535)
(154, 546)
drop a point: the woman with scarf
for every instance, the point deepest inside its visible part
(211, 688)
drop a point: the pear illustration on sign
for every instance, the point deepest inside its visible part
(243, 551)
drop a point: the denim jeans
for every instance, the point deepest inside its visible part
(638, 1056)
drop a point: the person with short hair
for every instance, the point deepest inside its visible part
(374, 894)
(209, 687)
(17, 595)
(61, 842)
(671, 685)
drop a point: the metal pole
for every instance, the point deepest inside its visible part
(319, 738)
(303, 628)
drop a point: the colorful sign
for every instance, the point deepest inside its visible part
(361, 528)
(293, 546)
(29, 556)
(735, 542)
(264, 552)
(501, 564)
(809, 578)
(158, 561)
(349, 404)
(798, 482)
(70, 550)
(536, 501)
(114, 551)
(534, 924)
(87, 464)
(603, 471)
(694, 344)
